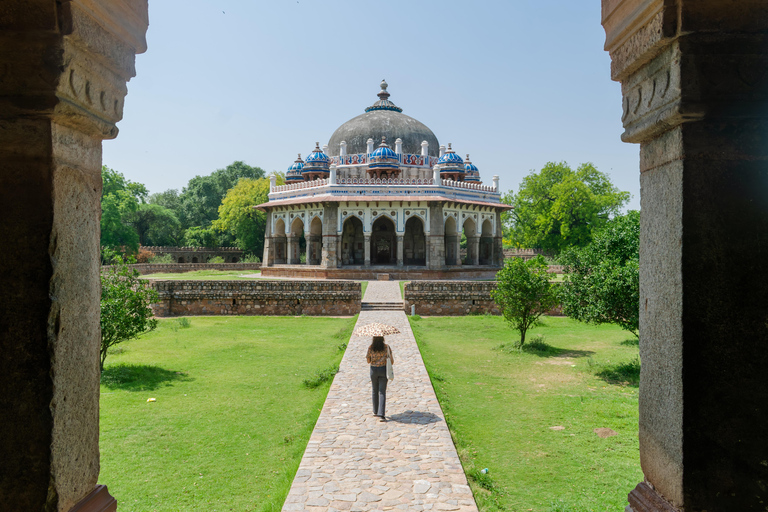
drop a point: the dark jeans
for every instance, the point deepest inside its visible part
(379, 384)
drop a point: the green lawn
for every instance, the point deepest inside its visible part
(231, 418)
(363, 286)
(218, 275)
(501, 405)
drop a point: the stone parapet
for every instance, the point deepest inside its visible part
(374, 272)
(284, 298)
(179, 268)
(453, 298)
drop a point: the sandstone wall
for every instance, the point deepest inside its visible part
(453, 298)
(284, 298)
(178, 268)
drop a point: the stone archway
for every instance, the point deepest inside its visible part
(383, 242)
(414, 243)
(486, 244)
(296, 242)
(315, 242)
(279, 243)
(470, 233)
(352, 240)
(452, 240)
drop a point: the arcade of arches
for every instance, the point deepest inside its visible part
(395, 234)
(694, 87)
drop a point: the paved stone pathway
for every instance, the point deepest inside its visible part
(355, 462)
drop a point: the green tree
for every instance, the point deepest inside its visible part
(120, 200)
(125, 307)
(201, 237)
(524, 293)
(558, 207)
(238, 217)
(602, 283)
(156, 225)
(199, 201)
(168, 199)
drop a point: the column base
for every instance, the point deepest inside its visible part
(644, 498)
(98, 501)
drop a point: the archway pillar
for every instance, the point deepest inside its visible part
(290, 241)
(473, 248)
(400, 239)
(367, 250)
(268, 257)
(330, 258)
(436, 238)
(695, 92)
(65, 67)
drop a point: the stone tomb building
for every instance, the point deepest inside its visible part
(383, 197)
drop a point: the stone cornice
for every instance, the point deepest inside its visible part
(126, 19)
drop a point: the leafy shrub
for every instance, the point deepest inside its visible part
(321, 377)
(144, 255)
(161, 259)
(250, 258)
(216, 259)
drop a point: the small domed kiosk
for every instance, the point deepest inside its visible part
(354, 211)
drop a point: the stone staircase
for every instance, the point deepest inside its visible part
(382, 306)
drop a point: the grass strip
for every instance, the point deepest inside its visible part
(230, 418)
(529, 416)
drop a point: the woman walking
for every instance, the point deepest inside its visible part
(377, 355)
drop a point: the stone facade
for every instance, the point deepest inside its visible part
(197, 254)
(178, 268)
(453, 298)
(284, 298)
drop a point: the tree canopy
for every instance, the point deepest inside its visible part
(558, 207)
(237, 216)
(200, 199)
(602, 283)
(524, 293)
(120, 199)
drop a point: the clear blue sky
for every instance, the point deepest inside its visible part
(514, 83)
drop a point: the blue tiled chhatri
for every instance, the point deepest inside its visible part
(294, 171)
(317, 161)
(471, 171)
(384, 157)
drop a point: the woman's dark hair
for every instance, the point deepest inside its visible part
(378, 344)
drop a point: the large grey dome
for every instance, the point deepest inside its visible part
(383, 119)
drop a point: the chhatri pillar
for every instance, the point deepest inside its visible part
(63, 72)
(694, 78)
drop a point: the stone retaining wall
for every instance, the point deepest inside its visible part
(178, 268)
(453, 298)
(284, 298)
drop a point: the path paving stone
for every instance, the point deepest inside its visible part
(355, 462)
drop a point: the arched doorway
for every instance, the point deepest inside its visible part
(296, 242)
(486, 243)
(278, 242)
(470, 234)
(383, 242)
(352, 240)
(451, 242)
(315, 242)
(414, 243)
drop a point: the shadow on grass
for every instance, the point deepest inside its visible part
(624, 374)
(541, 349)
(139, 377)
(631, 342)
(415, 417)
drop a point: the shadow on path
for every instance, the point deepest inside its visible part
(140, 377)
(415, 417)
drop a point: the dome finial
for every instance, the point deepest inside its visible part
(383, 141)
(383, 103)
